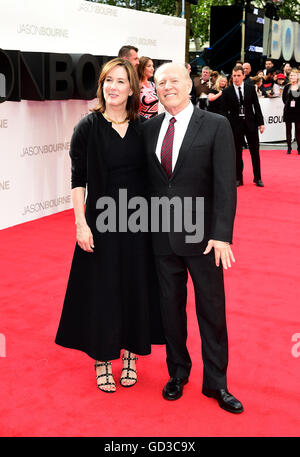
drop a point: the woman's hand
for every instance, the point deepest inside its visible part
(85, 237)
(213, 97)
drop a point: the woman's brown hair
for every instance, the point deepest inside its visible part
(133, 101)
(141, 67)
(256, 79)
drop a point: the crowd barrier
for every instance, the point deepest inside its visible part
(272, 109)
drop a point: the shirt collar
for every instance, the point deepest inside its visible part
(241, 86)
(185, 113)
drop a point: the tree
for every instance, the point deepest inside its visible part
(200, 18)
(289, 9)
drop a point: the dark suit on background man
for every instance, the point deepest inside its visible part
(245, 117)
(205, 167)
(247, 72)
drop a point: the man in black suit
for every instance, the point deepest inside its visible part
(201, 164)
(241, 106)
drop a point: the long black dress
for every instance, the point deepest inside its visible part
(291, 114)
(112, 298)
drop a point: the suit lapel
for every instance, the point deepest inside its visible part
(189, 137)
(156, 125)
(235, 95)
(246, 91)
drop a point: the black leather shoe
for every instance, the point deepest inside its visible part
(289, 151)
(226, 400)
(259, 183)
(239, 183)
(174, 388)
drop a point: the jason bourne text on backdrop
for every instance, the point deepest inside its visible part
(166, 214)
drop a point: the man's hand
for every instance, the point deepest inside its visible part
(261, 128)
(223, 252)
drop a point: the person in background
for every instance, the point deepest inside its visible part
(286, 69)
(279, 84)
(148, 97)
(112, 302)
(247, 73)
(193, 96)
(268, 82)
(241, 106)
(291, 110)
(268, 65)
(213, 77)
(202, 85)
(257, 80)
(260, 73)
(129, 52)
(214, 95)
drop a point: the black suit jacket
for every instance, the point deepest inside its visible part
(230, 108)
(205, 168)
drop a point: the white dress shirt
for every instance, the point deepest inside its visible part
(180, 128)
(236, 88)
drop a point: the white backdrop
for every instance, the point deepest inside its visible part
(80, 27)
(272, 109)
(34, 158)
(35, 136)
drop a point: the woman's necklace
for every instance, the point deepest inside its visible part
(114, 122)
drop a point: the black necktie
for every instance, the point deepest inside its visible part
(241, 96)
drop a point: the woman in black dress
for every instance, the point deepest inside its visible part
(291, 110)
(111, 301)
(215, 93)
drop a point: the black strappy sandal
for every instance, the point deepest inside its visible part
(128, 369)
(106, 374)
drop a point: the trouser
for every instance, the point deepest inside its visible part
(288, 129)
(253, 144)
(208, 285)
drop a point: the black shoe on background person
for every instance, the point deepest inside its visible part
(225, 399)
(289, 151)
(259, 182)
(174, 388)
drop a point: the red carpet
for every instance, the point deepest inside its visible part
(46, 390)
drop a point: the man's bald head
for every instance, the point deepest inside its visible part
(172, 66)
(173, 85)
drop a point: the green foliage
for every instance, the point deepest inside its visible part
(167, 7)
(200, 18)
(290, 9)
